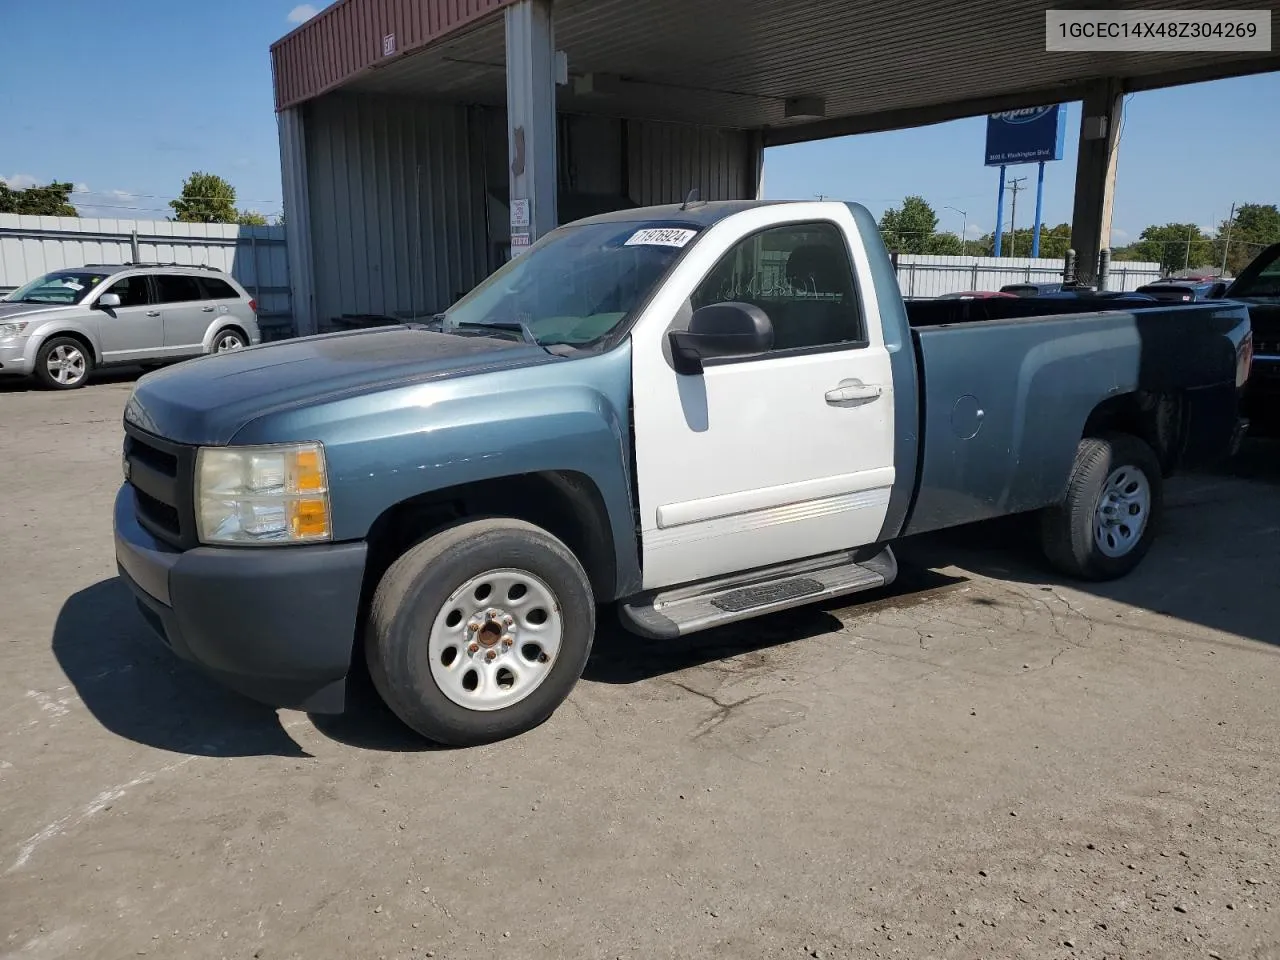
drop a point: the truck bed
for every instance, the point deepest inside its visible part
(1008, 386)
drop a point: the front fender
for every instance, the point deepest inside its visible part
(78, 328)
(388, 446)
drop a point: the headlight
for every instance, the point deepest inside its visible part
(262, 495)
(13, 328)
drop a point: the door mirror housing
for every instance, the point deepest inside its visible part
(108, 301)
(1217, 291)
(720, 330)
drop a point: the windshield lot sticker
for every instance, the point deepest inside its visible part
(660, 237)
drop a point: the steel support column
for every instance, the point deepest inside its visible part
(531, 120)
(1100, 120)
(297, 219)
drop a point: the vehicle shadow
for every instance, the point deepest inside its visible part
(137, 689)
(1216, 562)
(368, 723)
(98, 378)
(619, 657)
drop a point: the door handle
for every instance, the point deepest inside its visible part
(853, 391)
(206, 309)
(153, 313)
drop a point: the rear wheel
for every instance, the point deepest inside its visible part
(480, 632)
(63, 363)
(1107, 522)
(227, 340)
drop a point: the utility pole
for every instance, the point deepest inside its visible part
(964, 225)
(1231, 219)
(1186, 260)
(1015, 185)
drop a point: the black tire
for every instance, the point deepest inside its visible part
(48, 353)
(226, 333)
(414, 591)
(1067, 530)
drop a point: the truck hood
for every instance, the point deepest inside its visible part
(208, 400)
(31, 311)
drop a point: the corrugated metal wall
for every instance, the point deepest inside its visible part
(397, 205)
(255, 256)
(925, 275)
(666, 160)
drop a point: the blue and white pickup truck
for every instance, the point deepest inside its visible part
(695, 414)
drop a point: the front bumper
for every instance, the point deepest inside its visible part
(276, 624)
(13, 358)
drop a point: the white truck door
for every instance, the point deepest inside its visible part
(777, 457)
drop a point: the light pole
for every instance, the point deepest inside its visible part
(964, 225)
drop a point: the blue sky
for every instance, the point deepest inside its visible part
(132, 103)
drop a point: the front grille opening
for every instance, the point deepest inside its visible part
(158, 460)
(158, 514)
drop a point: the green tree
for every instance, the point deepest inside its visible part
(52, 200)
(1054, 242)
(251, 218)
(909, 228)
(206, 198)
(1175, 246)
(944, 244)
(1254, 226)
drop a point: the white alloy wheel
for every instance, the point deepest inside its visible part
(228, 340)
(1124, 507)
(67, 364)
(495, 640)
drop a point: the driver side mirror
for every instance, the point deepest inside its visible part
(108, 301)
(1217, 291)
(720, 330)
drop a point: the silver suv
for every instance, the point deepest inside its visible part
(64, 324)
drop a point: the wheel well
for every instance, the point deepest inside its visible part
(566, 504)
(1155, 418)
(79, 338)
(232, 327)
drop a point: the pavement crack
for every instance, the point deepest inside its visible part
(723, 709)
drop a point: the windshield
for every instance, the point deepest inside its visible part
(1260, 278)
(576, 284)
(60, 287)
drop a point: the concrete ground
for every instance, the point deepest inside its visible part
(987, 763)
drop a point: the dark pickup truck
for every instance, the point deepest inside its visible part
(1258, 287)
(696, 414)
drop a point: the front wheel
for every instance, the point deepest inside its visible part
(63, 363)
(479, 632)
(1107, 522)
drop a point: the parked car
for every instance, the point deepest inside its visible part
(1094, 294)
(1185, 291)
(701, 414)
(1258, 287)
(63, 325)
(1031, 289)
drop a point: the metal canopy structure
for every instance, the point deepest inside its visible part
(872, 65)
(423, 142)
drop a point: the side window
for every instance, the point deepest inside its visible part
(132, 291)
(175, 288)
(215, 289)
(798, 274)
